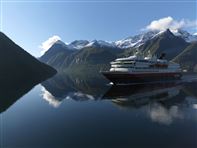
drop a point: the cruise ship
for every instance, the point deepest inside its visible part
(142, 69)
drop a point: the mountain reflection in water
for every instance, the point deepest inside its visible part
(158, 96)
(64, 109)
(62, 86)
(163, 99)
(10, 93)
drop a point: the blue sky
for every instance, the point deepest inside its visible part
(33, 22)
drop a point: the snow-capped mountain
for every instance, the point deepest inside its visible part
(140, 39)
(133, 41)
(79, 44)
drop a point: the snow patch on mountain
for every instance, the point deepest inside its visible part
(100, 43)
(137, 40)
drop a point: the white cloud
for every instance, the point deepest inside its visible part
(48, 43)
(169, 22)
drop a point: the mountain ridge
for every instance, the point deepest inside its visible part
(99, 56)
(129, 42)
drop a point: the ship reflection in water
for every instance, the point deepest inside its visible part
(163, 99)
(96, 114)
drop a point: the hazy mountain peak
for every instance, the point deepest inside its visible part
(79, 44)
(167, 33)
(60, 42)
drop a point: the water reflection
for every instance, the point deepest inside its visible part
(159, 115)
(163, 100)
(14, 88)
(46, 95)
(62, 87)
(142, 93)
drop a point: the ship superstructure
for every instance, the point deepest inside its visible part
(140, 68)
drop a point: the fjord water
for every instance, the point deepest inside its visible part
(67, 111)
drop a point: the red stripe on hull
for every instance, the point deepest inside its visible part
(122, 77)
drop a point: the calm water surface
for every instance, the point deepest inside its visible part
(67, 112)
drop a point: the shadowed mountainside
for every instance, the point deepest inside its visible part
(17, 65)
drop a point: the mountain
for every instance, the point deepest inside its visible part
(187, 58)
(165, 42)
(129, 42)
(95, 52)
(133, 41)
(56, 53)
(17, 65)
(90, 60)
(136, 40)
(60, 55)
(80, 44)
(93, 56)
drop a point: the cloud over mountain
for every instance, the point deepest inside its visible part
(48, 43)
(169, 22)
